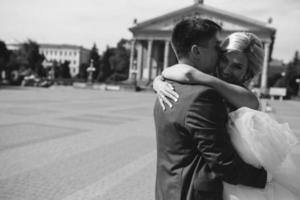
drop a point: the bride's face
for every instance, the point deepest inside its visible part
(233, 67)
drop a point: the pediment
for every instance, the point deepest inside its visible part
(228, 21)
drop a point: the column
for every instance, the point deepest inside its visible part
(166, 54)
(139, 60)
(264, 75)
(131, 64)
(149, 59)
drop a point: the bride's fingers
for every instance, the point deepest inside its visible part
(170, 94)
(171, 90)
(162, 103)
(165, 100)
(170, 86)
(173, 93)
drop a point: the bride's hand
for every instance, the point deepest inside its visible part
(164, 91)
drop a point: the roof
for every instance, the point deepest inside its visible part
(62, 46)
(47, 45)
(233, 20)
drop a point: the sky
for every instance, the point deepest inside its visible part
(105, 22)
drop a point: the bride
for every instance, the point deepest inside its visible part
(258, 138)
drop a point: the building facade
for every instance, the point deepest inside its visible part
(76, 55)
(151, 51)
(60, 53)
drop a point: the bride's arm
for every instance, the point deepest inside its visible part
(234, 94)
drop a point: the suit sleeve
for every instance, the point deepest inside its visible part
(208, 131)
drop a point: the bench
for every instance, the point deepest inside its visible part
(277, 92)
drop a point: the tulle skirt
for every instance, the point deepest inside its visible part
(262, 141)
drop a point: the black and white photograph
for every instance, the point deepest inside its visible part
(149, 100)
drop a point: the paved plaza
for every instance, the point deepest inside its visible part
(65, 144)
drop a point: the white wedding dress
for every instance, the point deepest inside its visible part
(262, 141)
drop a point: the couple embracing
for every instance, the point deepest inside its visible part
(212, 143)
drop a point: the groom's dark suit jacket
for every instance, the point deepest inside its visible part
(194, 152)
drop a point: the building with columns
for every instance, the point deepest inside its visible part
(151, 51)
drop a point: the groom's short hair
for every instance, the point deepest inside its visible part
(192, 31)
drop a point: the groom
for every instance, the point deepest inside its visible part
(194, 152)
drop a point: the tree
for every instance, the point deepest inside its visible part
(65, 70)
(82, 71)
(12, 70)
(296, 58)
(26, 60)
(57, 70)
(292, 73)
(119, 62)
(94, 55)
(4, 55)
(122, 58)
(30, 57)
(105, 66)
(114, 65)
(62, 70)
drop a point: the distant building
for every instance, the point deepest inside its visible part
(60, 53)
(150, 47)
(76, 55)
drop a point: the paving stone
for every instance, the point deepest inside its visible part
(139, 186)
(65, 143)
(64, 177)
(20, 134)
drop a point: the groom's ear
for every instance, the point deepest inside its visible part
(196, 51)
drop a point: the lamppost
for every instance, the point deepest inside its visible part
(90, 70)
(298, 81)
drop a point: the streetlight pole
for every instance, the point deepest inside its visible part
(90, 71)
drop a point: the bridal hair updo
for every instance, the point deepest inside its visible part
(251, 46)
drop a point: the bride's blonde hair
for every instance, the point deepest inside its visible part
(250, 45)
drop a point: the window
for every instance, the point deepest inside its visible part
(74, 62)
(75, 53)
